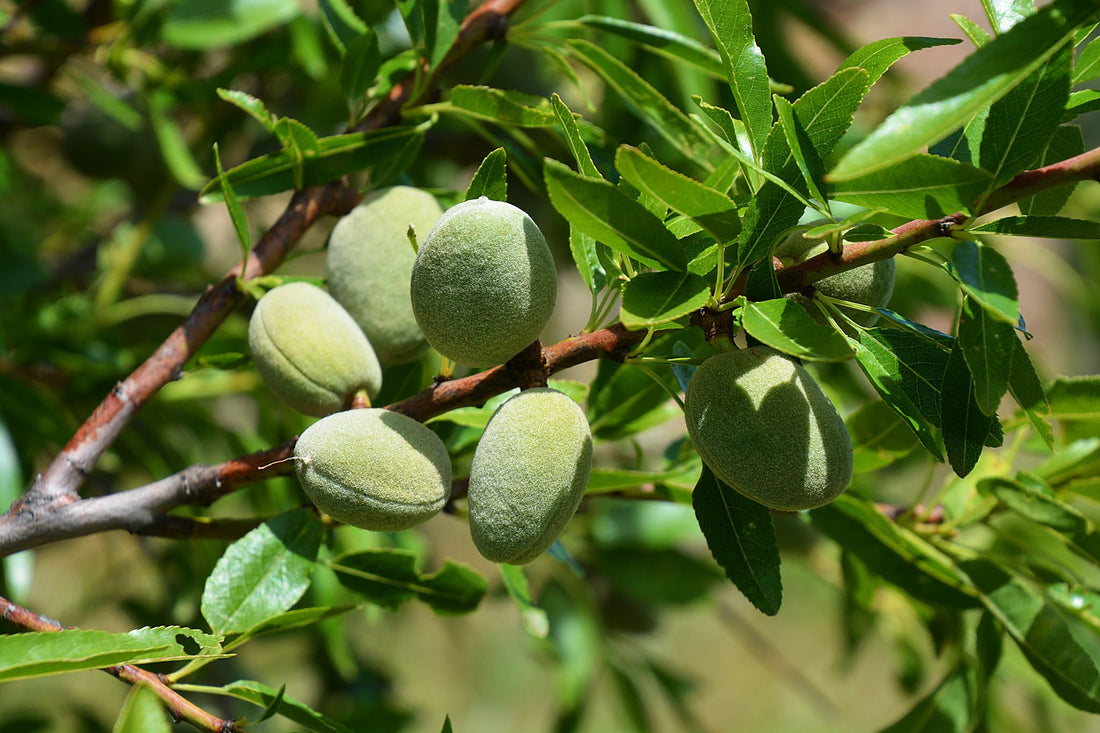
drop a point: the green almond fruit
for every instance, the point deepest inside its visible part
(310, 352)
(374, 468)
(528, 475)
(484, 283)
(870, 284)
(763, 425)
(369, 262)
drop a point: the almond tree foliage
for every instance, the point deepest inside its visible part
(669, 148)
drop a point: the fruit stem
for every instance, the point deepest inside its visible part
(361, 400)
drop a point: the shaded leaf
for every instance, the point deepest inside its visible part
(1055, 227)
(572, 133)
(504, 106)
(341, 23)
(921, 187)
(965, 426)
(879, 436)
(947, 709)
(361, 64)
(741, 537)
(200, 24)
(1027, 390)
(895, 553)
(142, 713)
(390, 577)
(986, 276)
(1066, 143)
(442, 19)
(988, 346)
(264, 696)
(534, 618)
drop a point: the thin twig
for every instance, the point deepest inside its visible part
(179, 707)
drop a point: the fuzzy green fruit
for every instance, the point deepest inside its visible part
(763, 425)
(370, 262)
(374, 469)
(310, 351)
(871, 284)
(528, 475)
(484, 283)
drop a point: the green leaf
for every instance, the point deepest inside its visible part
(965, 427)
(921, 187)
(1033, 500)
(253, 106)
(730, 25)
(896, 554)
(341, 23)
(741, 537)
(1003, 14)
(390, 577)
(361, 64)
(572, 133)
(142, 713)
(1027, 390)
(262, 574)
(986, 276)
(442, 20)
(667, 43)
(978, 36)
(1060, 647)
(295, 619)
(786, 326)
(1066, 143)
(988, 346)
(624, 398)
(1020, 124)
(236, 211)
(906, 369)
(876, 57)
(264, 696)
(1087, 67)
(605, 213)
(586, 256)
(946, 709)
(491, 178)
(447, 725)
(71, 650)
(173, 147)
(713, 211)
(1075, 398)
(824, 114)
(201, 24)
(534, 618)
(605, 480)
(879, 436)
(1082, 102)
(650, 104)
(503, 105)
(653, 298)
(805, 157)
(984, 77)
(339, 155)
(1055, 227)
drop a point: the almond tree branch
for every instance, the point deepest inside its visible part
(179, 707)
(61, 481)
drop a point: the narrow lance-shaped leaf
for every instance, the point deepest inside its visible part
(1003, 14)
(921, 187)
(170, 139)
(730, 25)
(200, 24)
(988, 345)
(1032, 499)
(651, 105)
(805, 157)
(341, 23)
(1067, 142)
(233, 204)
(824, 113)
(1027, 390)
(741, 537)
(503, 105)
(491, 178)
(361, 64)
(965, 426)
(984, 77)
(666, 42)
(605, 213)
(252, 105)
(266, 696)
(142, 713)
(572, 133)
(986, 276)
(534, 618)
(1055, 227)
(878, 56)
(1046, 635)
(1020, 124)
(390, 577)
(713, 211)
(946, 709)
(442, 19)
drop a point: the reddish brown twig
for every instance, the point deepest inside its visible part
(179, 707)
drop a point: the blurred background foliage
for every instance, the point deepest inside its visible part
(108, 114)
